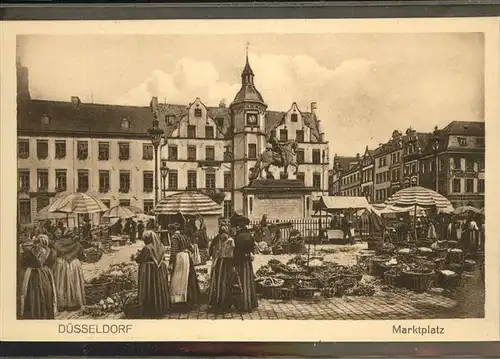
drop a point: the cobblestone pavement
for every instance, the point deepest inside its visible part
(467, 302)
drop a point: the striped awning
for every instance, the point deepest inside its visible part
(119, 212)
(79, 203)
(466, 211)
(419, 196)
(188, 203)
(44, 214)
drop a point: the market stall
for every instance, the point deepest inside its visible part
(189, 204)
(336, 205)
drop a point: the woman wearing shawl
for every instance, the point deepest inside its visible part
(38, 295)
(243, 256)
(68, 273)
(184, 286)
(223, 274)
(202, 241)
(153, 290)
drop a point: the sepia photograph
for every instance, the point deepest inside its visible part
(310, 177)
(256, 181)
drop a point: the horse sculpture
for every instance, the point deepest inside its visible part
(270, 157)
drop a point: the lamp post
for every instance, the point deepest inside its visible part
(155, 135)
(164, 173)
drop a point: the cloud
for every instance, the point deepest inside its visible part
(360, 102)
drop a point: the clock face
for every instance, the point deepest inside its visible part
(252, 119)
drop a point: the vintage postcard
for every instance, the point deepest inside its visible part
(250, 180)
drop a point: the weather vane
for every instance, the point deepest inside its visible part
(248, 45)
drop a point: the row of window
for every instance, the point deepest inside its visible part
(463, 141)
(469, 186)
(192, 155)
(61, 180)
(124, 180)
(172, 180)
(352, 192)
(382, 177)
(42, 150)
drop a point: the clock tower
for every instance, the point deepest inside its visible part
(248, 111)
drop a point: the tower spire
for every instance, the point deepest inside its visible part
(248, 45)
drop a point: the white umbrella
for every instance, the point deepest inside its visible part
(79, 203)
(188, 203)
(119, 212)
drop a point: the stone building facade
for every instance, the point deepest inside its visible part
(105, 150)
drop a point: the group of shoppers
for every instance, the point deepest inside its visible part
(174, 287)
(53, 276)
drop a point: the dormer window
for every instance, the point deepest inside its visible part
(125, 124)
(197, 112)
(45, 119)
(294, 117)
(170, 120)
(462, 141)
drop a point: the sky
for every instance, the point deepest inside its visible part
(365, 85)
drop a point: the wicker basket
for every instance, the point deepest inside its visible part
(383, 268)
(441, 253)
(273, 292)
(374, 268)
(469, 266)
(306, 292)
(455, 267)
(393, 280)
(418, 282)
(456, 257)
(95, 292)
(439, 263)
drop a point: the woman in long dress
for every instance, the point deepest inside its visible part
(184, 286)
(68, 273)
(243, 257)
(222, 276)
(38, 294)
(153, 289)
(203, 241)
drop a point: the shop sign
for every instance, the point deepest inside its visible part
(462, 173)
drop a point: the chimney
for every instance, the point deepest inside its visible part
(154, 104)
(23, 87)
(314, 107)
(75, 100)
(321, 135)
(222, 103)
(357, 156)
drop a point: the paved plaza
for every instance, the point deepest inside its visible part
(467, 302)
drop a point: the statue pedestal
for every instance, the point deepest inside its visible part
(278, 199)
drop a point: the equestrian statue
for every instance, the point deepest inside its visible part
(276, 154)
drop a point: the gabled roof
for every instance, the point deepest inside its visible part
(468, 128)
(70, 118)
(344, 162)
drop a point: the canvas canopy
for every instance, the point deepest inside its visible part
(338, 203)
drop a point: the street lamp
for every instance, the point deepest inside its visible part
(164, 173)
(155, 135)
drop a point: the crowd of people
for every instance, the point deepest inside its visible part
(52, 274)
(467, 232)
(175, 286)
